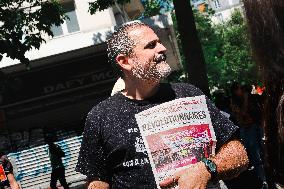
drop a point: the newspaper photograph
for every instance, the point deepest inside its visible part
(176, 134)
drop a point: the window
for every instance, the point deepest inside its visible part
(70, 25)
(56, 30)
(216, 4)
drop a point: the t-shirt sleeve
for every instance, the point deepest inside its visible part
(224, 129)
(92, 158)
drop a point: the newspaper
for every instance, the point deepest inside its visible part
(176, 135)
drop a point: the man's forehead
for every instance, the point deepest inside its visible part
(142, 34)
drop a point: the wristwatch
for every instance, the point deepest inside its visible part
(212, 169)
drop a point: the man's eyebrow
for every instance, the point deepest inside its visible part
(151, 43)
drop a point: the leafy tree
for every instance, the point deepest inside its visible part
(191, 47)
(233, 61)
(226, 49)
(211, 44)
(152, 8)
(155, 7)
(23, 23)
(210, 41)
(100, 5)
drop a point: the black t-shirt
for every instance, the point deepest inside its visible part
(112, 149)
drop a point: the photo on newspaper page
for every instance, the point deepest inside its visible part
(176, 134)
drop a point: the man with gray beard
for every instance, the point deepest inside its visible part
(112, 153)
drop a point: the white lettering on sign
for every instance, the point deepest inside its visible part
(102, 76)
(63, 86)
(77, 82)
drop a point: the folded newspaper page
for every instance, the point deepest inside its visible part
(176, 135)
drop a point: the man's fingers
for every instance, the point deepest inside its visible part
(169, 180)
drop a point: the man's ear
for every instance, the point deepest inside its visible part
(123, 61)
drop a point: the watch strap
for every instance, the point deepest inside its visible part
(212, 169)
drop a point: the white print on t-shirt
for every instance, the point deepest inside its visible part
(135, 162)
(133, 130)
(139, 145)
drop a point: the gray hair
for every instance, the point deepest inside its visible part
(120, 43)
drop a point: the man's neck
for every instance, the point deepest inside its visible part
(140, 89)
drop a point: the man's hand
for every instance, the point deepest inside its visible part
(231, 160)
(98, 185)
(195, 176)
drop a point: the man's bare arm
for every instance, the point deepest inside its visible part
(12, 181)
(98, 185)
(231, 160)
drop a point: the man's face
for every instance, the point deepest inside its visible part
(148, 59)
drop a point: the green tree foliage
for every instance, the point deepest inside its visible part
(23, 23)
(229, 56)
(210, 41)
(226, 49)
(211, 44)
(155, 7)
(100, 5)
(152, 8)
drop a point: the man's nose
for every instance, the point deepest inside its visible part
(161, 47)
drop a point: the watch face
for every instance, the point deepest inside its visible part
(212, 166)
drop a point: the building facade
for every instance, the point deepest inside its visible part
(68, 75)
(224, 9)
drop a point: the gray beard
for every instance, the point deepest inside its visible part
(154, 73)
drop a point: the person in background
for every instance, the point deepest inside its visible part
(266, 27)
(58, 170)
(222, 102)
(8, 180)
(246, 111)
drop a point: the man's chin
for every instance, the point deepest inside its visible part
(160, 76)
(158, 72)
(152, 80)
(164, 70)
